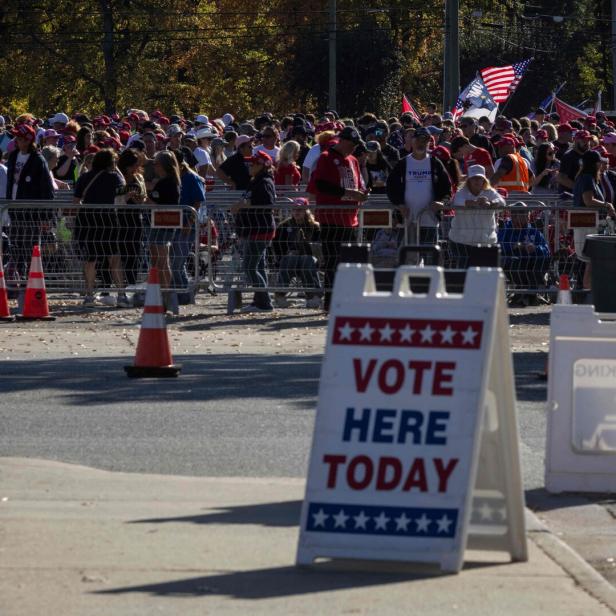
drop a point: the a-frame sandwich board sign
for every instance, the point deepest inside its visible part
(415, 448)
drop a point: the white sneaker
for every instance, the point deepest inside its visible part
(106, 300)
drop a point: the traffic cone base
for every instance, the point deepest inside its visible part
(141, 372)
(153, 358)
(35, 301)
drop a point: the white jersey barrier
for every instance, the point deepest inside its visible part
(581, 434)
(415, 449)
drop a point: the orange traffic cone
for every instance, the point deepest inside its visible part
(5, 313)
(35, 302)
(564, 290)
(153, 358)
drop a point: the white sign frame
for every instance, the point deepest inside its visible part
(577, 335)
(332, 522)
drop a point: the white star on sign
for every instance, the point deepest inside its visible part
(341, 519)
(346, 331)
(402, 522)
(468, 337)
(422, 523)
(360, 520)
(381, 521)
(319, 517)
(427, 334)
(406, 334)
(443, 524)
(366, 332)
(485, 511)
(386, 332)
(447, 335)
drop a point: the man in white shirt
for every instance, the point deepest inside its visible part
(269, 138)
(202, 152)
(417, 184)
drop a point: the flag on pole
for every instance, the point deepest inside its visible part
(502, 81)
(567, 112)
(475, 101)
(408, 108)
(598, 106)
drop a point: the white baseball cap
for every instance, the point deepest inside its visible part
(477, 171)
(60, 118)
(205, 133)
(202, 119)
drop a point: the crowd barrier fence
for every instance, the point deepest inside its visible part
(228, 256)
(122, 240)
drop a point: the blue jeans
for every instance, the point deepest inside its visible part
(303, 267)
(181, 246)
(254, 267)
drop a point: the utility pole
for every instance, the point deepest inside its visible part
(332, 54)
(613, 45)
(451, 72)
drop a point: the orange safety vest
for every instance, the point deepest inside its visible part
(517, 179)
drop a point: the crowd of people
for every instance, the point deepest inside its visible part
(433, 168)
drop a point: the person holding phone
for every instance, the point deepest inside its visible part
(68, 162)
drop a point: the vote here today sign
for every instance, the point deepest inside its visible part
(396, 435)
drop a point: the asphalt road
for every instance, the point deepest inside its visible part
(248, 414)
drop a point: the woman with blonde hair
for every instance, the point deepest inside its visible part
(287, 171)
(550, 129)
(475, 206)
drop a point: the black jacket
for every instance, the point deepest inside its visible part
(396, 181)
(34, 184)
(251, 221)
(34, 180)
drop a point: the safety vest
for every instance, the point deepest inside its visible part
(517, 179)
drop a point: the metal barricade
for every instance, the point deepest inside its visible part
(122, 241)
(299, 263)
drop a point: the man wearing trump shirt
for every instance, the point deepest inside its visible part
(337, 181)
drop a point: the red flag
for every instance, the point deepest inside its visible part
(567, 112)
(408, 108)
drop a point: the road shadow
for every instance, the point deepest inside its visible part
(275, 582)
(539, 499)
(530, 318)
(87, 381)
(528, 367)
(281, 514)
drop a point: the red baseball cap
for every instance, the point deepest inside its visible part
(260, 158)
(565, 128)
(583, 134)
(542, 134)
(24, 130)
(506, 141)
(69, 138)
(442, 153)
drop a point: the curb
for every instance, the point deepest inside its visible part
(571, 562)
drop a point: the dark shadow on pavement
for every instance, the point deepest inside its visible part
(527, 367)
(530, 318)
(282, 514)
(84, 381)
(539, 499)
(278, 581)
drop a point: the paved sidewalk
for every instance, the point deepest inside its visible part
(79, 541)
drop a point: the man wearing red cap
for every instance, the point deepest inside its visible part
(609, 141)
(337, 181)
(511, 170)
(570, 162)
(28, 178)
(563, 142)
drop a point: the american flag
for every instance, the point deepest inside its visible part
(502, 81)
